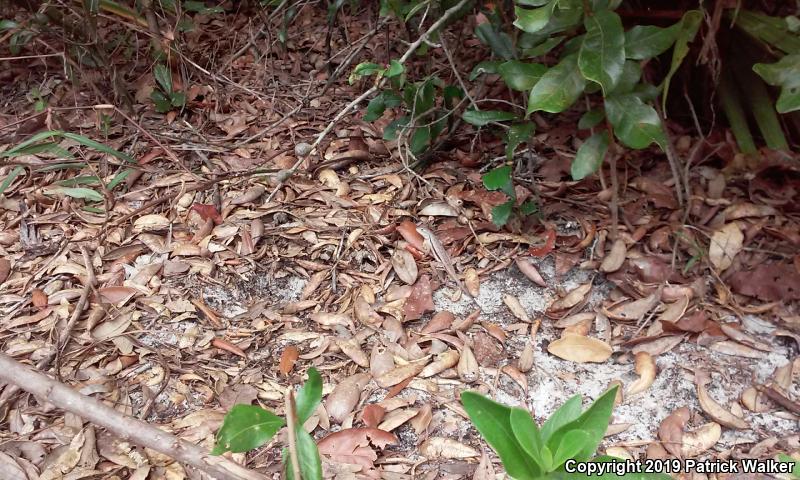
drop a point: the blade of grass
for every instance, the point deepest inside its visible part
(732, 106)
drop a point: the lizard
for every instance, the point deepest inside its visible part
(439, 253)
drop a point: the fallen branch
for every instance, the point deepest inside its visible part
(411, 49)
(125, 427)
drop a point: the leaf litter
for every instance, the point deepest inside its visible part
(218, 297)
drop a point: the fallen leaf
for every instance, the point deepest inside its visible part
(769, 282)
(372, 415)
(440, 447)
(645, 367)
(38, 298)
(615, 258)
(344, 397)
(670, 432)
(405, 266)
(441, 321)
(725, 244)
(528, 269)
(581, 349)
(714, 410)
(574, 297)
(288, 358)
(355, 445)
(516, 307)
(700, 439)
(420, 300)
(635, 310)
(399, 374)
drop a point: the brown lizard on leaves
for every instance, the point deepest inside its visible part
(439, 253)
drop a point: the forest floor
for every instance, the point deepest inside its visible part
(236, 283)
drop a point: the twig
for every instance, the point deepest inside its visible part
(411, 49)
(290, 429)
(125, 427)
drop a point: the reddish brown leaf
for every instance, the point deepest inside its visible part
(671, 431)
(288, 358)
(207, 212)
(549, 243)
(420, 300)
(5, 269)
(768, 282)
(38, 298)
(372, 415)
(409, 232)
(228, 347)
(356, 445)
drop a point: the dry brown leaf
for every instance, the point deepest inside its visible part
(736, 349)
(525, 361)
(399, 374)
(615, 258)
(372, 415)
(725, 244)
(420, 300)
(472, 281)
(405, 266)
(5, 269)
(528, 269)
(289, 356)
(423, 419)
(356, 445)
(516, 307)
(380, 361)
(714, 410)
(441, 321)
(581, 349)
(352, 348)
(735, 334)
(670, 432)
(700, 439)
(38, 298)
(658, 345)
(574, 297)
(397, 417)
(442, 362)
(343, 399)
(645, 367)
(250, 195)
(440, 447)
(635, 310)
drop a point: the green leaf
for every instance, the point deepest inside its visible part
(163, 105)
(501, 213)
(119, 178)
(489, 66)
(644, 42)
(594, 422)
(379, 104)
(246, 427)
(493, 422)
(395, 68)
(178, 99)
(516, 135)
(544, 47)
(479, 118)
(572, 443)
(785, 73)
(10, 178)
(309, 396)
(636, 124)
(163, 77)
(499, 179)
(521, 76)
(558, 88)
(529, 207)
(591, 118)
(795, 470)
(631, 74)
(420, 139)
(569, 411)
(391, 131)
(527, 434)
(590, 156)
(498, 41)
(689, 25)
(533, 20)
(308, 456)
(602, 53)
(75, 192)
(88, 142)
(364, 69)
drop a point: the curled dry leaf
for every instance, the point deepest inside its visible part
(635, 310)
(528, 269)
(352, 348)
(581, 349)
(288, 358)
(574, 297)
(441, 321)
(700, 439)
(399, 374)
(422, 419)
(516, 307)
(725, 244)
(332, 319)
(250, 195)
(380, 361)
(405, 266)
(356, 446)
(397, 417)
(472, 281)
(409, 232)
(615, 258)
(670, 432)
(714, 410)
(420, 300)
(525, 361)
(343, 399)
(440, 447)
(467, 365)
(442, 362)
(645, 367)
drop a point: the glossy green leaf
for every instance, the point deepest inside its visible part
(119, 178)
(527, 434)
(492, 420)
(568, 412)
(516, 135)
(308, 456)
(594, 421)
(636, 124)
(10, 178)
(479, 118)
(558, 88)
(644, 42)
(521, 76)
(531, 20)
(501, 213)
(75, 192)
(500, 43)
(572, 443)
(591, 118)
(499, 179)
(163, 77)
(782, 457)
(590, 156)
(395, 68)
(162, 103)
(544, 47)
(489, 66)
(392, 131)
(309, 396)
(631, 74)
(689, 25)
(364, 69)
(785, 73)
(602, 53)
(420, 139)
(246, 427)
